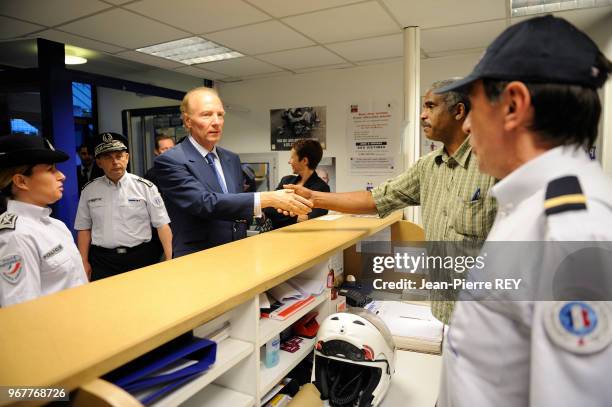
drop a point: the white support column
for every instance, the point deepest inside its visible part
(412, 101)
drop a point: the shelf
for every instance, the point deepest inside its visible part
(269, 377)
(214, 396)
(229, 353)
(270, 327)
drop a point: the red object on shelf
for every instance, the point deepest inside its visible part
(307, 326)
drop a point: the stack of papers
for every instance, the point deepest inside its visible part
(413, 326)
(290, 297)
(296, 289)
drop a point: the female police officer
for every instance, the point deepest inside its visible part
(37, 253)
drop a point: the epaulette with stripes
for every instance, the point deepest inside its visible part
(90, 181)
(564, 194)
(8, 220)
(144, 181)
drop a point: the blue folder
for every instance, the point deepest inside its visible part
(147, 372)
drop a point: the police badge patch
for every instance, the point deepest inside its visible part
(11, 268)
(581, 327)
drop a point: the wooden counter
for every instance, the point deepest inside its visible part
(72, 337)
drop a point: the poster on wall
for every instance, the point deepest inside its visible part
(326, 170)
(372, 145)
(291, 124)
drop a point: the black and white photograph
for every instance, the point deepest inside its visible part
(294, 123)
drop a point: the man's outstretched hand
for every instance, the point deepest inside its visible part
(286, 201)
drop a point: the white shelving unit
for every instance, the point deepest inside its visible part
(215, 396)
(270, 327)
(229, 352)
(271, 376)
(238, 377)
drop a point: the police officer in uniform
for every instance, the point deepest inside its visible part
(37, 253)
(535, 111)
(115, 215)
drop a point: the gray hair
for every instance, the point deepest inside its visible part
(453, 97)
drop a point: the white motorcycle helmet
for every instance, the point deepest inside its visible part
(354, 359)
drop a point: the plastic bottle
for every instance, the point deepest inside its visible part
(272, 351)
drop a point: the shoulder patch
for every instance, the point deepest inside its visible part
(144, 181)
(11, 268)
(580, 327)
(564, 194)
(8, 220)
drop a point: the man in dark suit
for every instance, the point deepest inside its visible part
(88, 169)
(202, 183)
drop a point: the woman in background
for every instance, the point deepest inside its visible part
(37, 252)
(305, 156)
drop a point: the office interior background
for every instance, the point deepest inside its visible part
(332, 53)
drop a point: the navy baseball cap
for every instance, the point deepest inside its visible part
(20, 149)
(540, 50)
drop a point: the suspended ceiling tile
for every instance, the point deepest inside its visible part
(380, 61)
(438, 13)
(118, 2)
(200, 16)
(324, 68)
(10, 28)
(200, 73)
(260, 38)
(455, 52)
(282, 8)
(388, 46)
(238, 67)
(70, 39)
(50, 12)
(258, 76)
(461, 36)
(345, 23)
(149, 59)
(302, 58)
(124, 29)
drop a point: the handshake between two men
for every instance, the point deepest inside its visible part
(301, 200)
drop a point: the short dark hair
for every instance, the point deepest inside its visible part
(310, 149)
(161, 137)
(564, 114)
(84, 145)
(454, 97)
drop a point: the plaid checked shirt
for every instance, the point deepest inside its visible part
(454, 198)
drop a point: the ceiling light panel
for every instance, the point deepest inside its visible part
(190, 51)
(531, 7)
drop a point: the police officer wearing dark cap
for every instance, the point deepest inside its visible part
(115, 215)
(535, 112)
(37, 253)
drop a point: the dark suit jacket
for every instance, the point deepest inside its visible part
(202, 215)
(83, 179)
(315, 183)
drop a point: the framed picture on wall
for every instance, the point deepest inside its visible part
(291, 124)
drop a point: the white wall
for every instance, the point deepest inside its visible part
(249, 132)
(111, 101)
(601, 32)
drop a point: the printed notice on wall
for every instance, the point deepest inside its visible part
(372, 148)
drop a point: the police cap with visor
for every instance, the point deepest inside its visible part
(109, 142)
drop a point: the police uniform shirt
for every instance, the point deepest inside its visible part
(37, 254)
(120, 215)
(522, 353)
